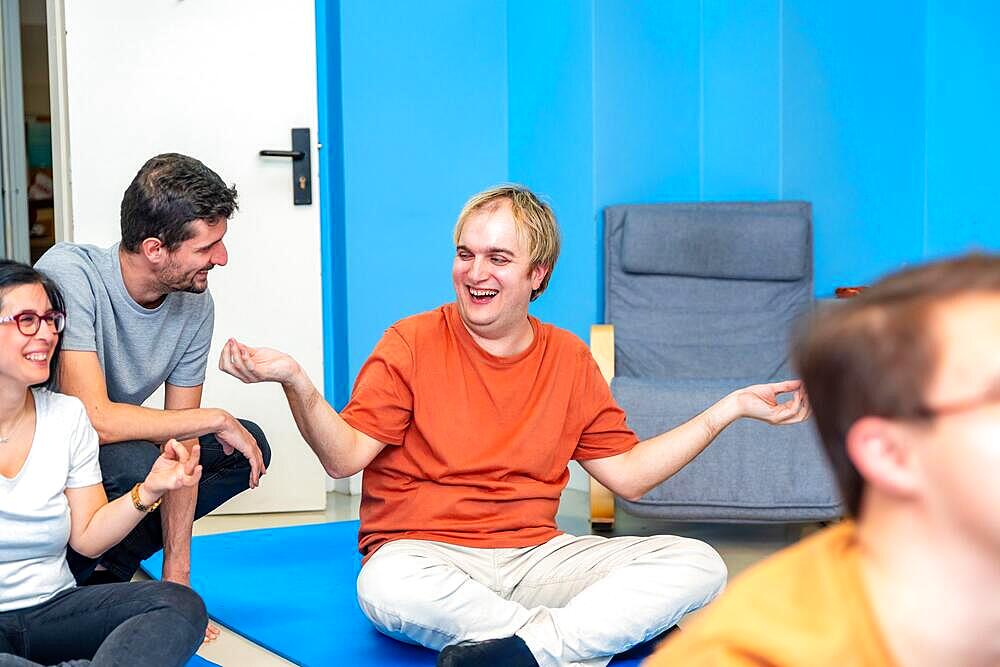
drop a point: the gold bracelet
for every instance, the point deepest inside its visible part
(137, 501)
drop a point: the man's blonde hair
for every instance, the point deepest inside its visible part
(534, 222)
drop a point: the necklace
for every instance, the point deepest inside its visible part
(17, 422)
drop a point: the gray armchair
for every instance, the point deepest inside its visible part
(701, 299)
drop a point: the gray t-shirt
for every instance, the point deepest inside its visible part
(139, 348)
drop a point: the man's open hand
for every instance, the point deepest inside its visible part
(256, 364)
(760, 401)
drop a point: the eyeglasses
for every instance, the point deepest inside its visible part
(989, 398)
(28, 321)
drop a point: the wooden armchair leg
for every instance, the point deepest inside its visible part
(602, 501)
(602, 507)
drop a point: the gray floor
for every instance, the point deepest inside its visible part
(741, 545)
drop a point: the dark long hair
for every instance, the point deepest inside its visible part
(14, 274)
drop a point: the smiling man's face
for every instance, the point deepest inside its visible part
(188, 264)
(492, 273)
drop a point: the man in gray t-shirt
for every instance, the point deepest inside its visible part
(138, 348)
(139, 315)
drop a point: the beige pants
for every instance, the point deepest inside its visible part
(573, 600)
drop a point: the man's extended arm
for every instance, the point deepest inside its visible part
(632, 474)
(80, 375)
(177, 510)
(341, 449)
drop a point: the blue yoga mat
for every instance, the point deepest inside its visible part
(292, 590)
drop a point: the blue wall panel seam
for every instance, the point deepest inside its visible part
(596, 220)
(925, 245)
(701, 100)
(781, 99)
(507, 93)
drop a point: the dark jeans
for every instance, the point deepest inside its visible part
(124, 464)
(148, 623)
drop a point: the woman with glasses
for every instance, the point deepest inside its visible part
(51, 495)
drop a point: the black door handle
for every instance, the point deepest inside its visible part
(301, 165)
(295, 155)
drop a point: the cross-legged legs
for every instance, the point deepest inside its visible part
(573, 600)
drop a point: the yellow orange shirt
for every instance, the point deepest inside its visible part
(804, 606)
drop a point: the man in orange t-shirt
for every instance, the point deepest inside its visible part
(905, 380)
(464, 419)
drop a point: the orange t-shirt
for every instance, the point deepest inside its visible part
(477, 444)
(806, 605)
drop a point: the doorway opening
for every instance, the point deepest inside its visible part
(37, 127)
(28, 212)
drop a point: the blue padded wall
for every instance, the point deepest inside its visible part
(963, 133)
(551, 142)
(741, 101)
(854, 132)
(880, 114)
(646, 102)
(425, 126)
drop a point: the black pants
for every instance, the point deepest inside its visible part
(124, 464)
(148, 623)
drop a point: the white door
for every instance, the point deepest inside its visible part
(218, 80)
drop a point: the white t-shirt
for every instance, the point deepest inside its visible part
(34, 512)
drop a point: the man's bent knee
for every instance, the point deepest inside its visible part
(378, 583)
(396, 581)
(708, 561)
(258, 435)
(124, 464)
(704, 571)
(402, 604)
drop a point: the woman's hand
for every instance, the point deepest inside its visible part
(176, 467)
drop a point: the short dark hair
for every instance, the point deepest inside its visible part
(875, 354)
(169, 192)
(14, 274)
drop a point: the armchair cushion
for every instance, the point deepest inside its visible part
(751, 472)
(735, 242)
(706, 291)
